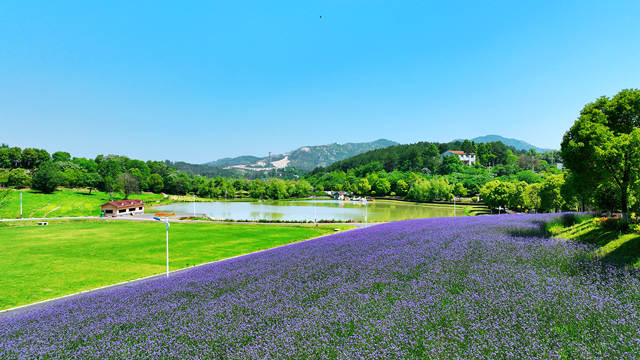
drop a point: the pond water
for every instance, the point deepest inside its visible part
(376, 211)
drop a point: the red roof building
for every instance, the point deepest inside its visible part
(122, 208)
(468, 159)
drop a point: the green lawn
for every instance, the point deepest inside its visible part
(61, 203)
(611, 245)
(42, 262)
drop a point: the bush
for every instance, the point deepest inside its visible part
(612, 223)
(47, 178)
(18, 178)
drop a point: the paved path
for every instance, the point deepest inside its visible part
(149, 217)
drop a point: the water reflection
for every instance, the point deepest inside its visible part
(377, 211)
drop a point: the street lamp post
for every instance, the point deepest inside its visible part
(365, 209)
(315, 213)
(194, 204)
(166, 223)
(20, 204)
(454, 205)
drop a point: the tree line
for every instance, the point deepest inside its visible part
(424, 157)
(600, 153)
(36, 168)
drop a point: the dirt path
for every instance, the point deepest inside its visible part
(50, 211)
(35, 211)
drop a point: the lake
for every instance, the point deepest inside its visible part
(304, 210)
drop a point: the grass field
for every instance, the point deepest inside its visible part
(67, 256)
(61, 203)
(610, 245)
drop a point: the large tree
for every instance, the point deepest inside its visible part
(129, 184)
(603, 145)
(46, 178)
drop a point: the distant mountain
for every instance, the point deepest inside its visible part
(518, 144)
(246, 159)
(305, 158)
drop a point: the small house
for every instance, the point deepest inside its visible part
(122, 208)
(468, 159)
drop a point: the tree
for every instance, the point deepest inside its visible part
(532, 196)
(177, 183)
(129, 184)
(459, 190)
(5, 161)
(420, 190)
(47, 178)
(606, 197)
(72, 177)
(382, 187)
(576, 192)
(61, 156)
(450, 164)
(92, 180)
(468, 146)
(302, 188)
(277, 189)
(430, 190)
(18, 178)
(109, 168)
(107, 186)
(603, 145)
(363, 187)
(402, 187)
(155, 183)
(257, 189)
(550, 195)
(529, 177)
(497, 194)
(516, 198)
(14, 155)
(142, 179)
(29, 159)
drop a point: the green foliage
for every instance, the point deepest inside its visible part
(517, 198)
(92, 180)
(607, 197)
(302, 188)
(603, 145)
(129, 184)
(402, 187)
(498, 194)
(528, 176)
(362, 187)
(277, 189)
(155, 183)
(61, 156)
(430, 190)
(531, 196)
(46, 178)
(450, 164)
(550, 195)
(18, 178)
(459, 190)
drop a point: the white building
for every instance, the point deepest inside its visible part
(121, 208)
(468, 159)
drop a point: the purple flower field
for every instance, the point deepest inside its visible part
(471, 287)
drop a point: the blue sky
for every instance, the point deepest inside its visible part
(201, 80)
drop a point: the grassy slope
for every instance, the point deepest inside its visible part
(70, 203)
(40, 262)
(612, 246)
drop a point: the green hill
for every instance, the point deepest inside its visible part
(305, 158)
(517, 144)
